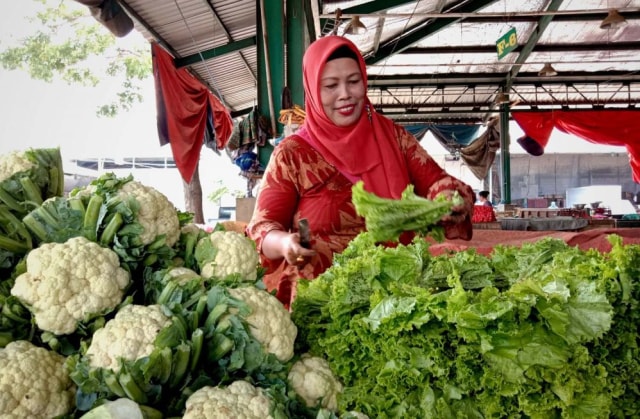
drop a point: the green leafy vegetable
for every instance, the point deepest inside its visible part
(386, 219)
(525, 332)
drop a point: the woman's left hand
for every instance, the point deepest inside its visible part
(458, 212)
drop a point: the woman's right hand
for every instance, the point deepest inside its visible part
(294, 252)
(281, 244)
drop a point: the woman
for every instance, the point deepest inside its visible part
(310, 174)
(483, 199)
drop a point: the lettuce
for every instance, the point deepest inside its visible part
(542, 330)
(386, 219)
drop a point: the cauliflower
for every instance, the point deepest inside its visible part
(29, 177)
(12, 163)
(144, 213)
(130, 335)
(34, 382)
(145, 353)
(67, 283)
(312, 379)
(156, 213)
(223, 253)
(239, 400)
(269, 321)
(121, 408)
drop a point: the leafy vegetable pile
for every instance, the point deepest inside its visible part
(112, 301)
(541, 331)
(121, 304)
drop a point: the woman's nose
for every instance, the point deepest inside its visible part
(343, 91)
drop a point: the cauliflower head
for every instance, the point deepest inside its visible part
(130, 335)
(66, 283)
(223, 253)
(270, 323)
(157, 215)
(34, 382)
(239, 400)
(312, 379)
(12, 163)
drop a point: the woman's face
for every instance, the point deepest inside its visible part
(342, 91)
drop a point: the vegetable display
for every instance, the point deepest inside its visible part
(107, 310)
(542, 330)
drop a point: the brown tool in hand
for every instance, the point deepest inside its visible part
(305, 234)
(305, 240)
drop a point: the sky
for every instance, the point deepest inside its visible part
(38, 114)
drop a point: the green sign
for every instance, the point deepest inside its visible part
(507, 43)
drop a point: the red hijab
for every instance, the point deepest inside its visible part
(367, 150)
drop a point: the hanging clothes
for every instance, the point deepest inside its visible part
(186, 110)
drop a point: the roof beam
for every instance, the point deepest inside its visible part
(216, 52)
(491, 49)
(479, 79)
(368, 8)
(422, 30)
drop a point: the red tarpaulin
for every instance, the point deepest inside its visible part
(187, 113)
(485, 240)
(608, 126)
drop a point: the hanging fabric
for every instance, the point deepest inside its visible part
(481, 153)
(186, 110)
(609, 126)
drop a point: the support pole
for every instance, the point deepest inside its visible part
(505, 161)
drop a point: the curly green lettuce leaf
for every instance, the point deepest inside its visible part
(386, 219)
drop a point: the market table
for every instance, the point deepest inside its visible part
(485, 240)
(544, 224)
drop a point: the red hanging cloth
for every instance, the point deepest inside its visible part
(187, 113)
(618, 127)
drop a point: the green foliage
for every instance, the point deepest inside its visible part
(541, 330)
(386, 219)
(66, 44)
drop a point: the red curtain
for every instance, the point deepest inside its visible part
(607, 126)
(188, 113)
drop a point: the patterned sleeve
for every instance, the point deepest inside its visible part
(277, 200)
(429, 179)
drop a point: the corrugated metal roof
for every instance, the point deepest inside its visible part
(428, 59)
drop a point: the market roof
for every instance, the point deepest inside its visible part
(427, 60)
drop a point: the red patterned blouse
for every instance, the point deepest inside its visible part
(300, 183)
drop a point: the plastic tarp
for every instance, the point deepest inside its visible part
(188, 113)
(616, 127)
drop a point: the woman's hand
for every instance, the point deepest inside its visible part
(458, 212)
(281, 244)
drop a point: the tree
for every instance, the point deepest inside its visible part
(70, 45)
(66, 44)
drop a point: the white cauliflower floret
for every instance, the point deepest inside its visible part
(121, 408)
(156, 214)
(130, 335)
(12, 163)
(239, 400)
(270, 323)
(182, 275)
(66, 283)
(312, 379)
(34, 382)
(223, 253)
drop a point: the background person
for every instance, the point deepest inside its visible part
(483, 199)
(311, 173)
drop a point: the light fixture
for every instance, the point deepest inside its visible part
(613, 20)
(355, 27)
(547, 71)
(501, 98)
